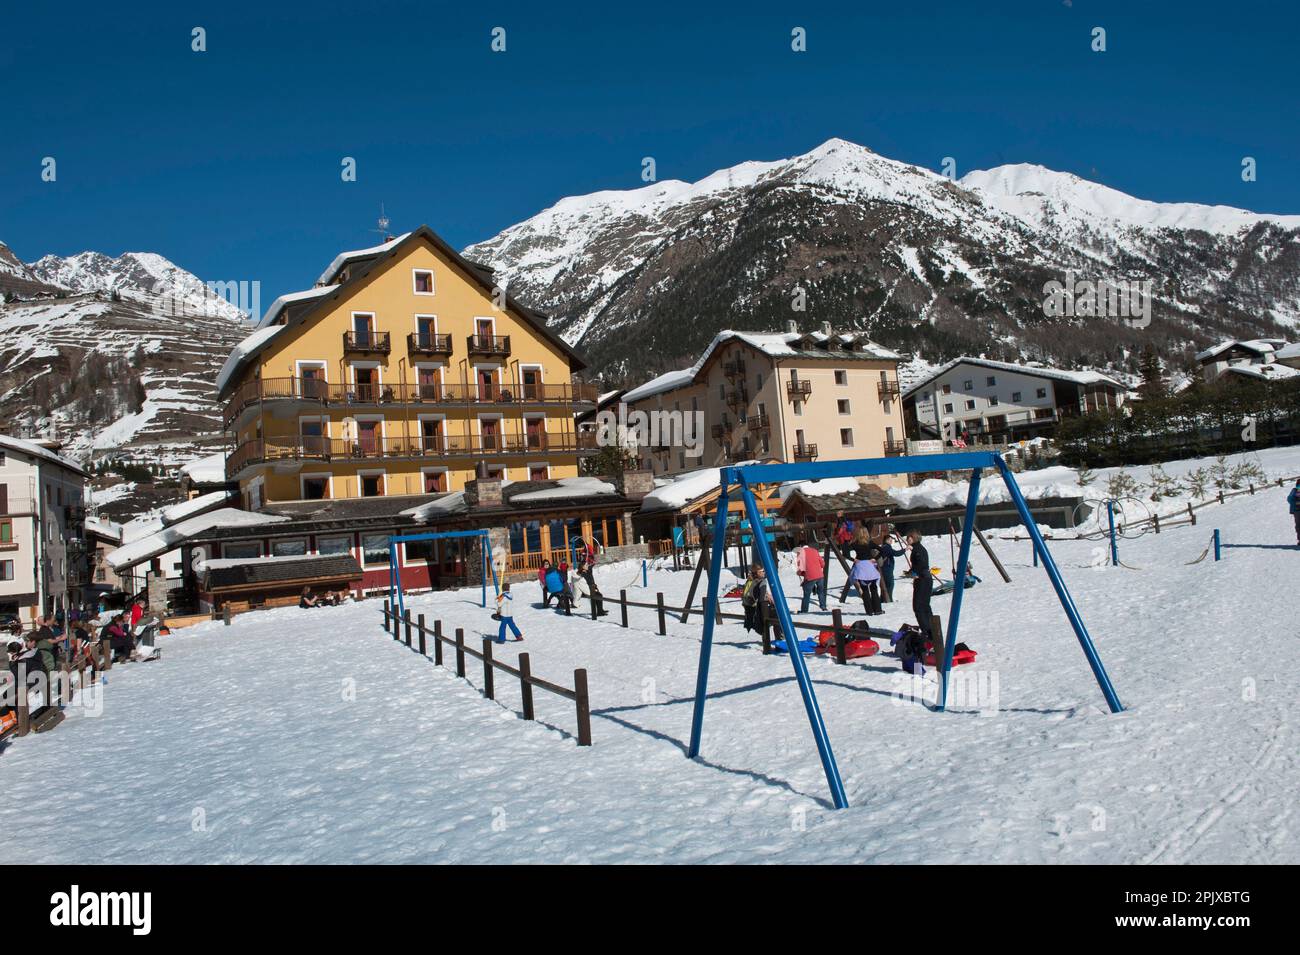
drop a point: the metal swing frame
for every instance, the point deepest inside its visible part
(746, 476)
(395, 597)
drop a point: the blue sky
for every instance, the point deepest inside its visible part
(228, 161)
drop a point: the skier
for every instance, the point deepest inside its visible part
(922, 583)
(506, 614)
(1294, 500)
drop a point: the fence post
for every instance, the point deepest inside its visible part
(1217, 544)
(659, 604)
(1191, 513)
(460, 651)
(419, 628)
(1252, 490)
(584, 707)
(645, 579)
(1155, 520)
(489, 690)
(105, 656)
(622, 599)
(525, 687)
(837, 621)
(437, 642)
(385, 616)
(407, 615)
(1220, 495)
(24, 711)
(225, 613)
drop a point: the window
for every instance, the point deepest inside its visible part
(1042, 393)
(374, 548)
(242, 550)
(372, 485)
(991, 380)
(947, 389)
(423, 281)
(6, 532)
(426, 326)
(970, 404)
(759, 379)
(843, 405)
(538, 472)
(846, 437)
(993, 401)
(722, 392)
(315, 488)
(841, 378)
(967, 385)
(291, 547)
(421, 550)
(1015, 397)
(947, 407)
(334, 545)
(888, 407)
(435, 482)
(6, 570)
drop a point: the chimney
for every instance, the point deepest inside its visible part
(792, 327)
(483, 492)
(635, 484)
(826, 329)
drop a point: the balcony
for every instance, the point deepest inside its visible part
(798, 389)
(290, 450)
(492, 346)
(367, 343)
(734, 369)
(722, 431)
(75, 514)
(805, 452)
(317, 392)
(894, 449)
(737, 397)
(887, 390)
(760, 422)
(422, 343)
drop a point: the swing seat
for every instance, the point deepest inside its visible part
(737, 591)
(806, 646)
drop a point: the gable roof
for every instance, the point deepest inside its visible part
(31, 449)
(1260, 346)
(1033, 371)
(375, 259)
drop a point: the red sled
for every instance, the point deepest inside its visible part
(863, 647)
(958, 658)
(735, 592)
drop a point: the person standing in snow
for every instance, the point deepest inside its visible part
(1294, 500)
(588, 576)
(812, 571)
(922, 583)
(887, 555)
(506, 614)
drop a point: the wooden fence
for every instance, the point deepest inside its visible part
(417, 635)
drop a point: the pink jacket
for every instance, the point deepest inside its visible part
(810, 564)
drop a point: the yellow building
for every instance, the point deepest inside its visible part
(401, 372)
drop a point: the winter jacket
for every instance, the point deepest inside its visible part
(1294, 500)
(887, 550)
(505, 604)
(137, 612)
(810, 564)
(554, 582)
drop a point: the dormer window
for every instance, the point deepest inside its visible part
(422, 281)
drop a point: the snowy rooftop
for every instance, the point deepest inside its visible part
(241, 351)
(171, 536)
(194, 506)
(684, 488)
(655, 386)
(1036, 371)
(345, 257)
(292, 298)
(37, 451)
(1260, 346)
(1271, 371)
(210, 469)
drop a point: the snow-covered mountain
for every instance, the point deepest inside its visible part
(642, 279)
(112, 354)
(144, 272)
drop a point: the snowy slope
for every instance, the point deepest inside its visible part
(237, 748)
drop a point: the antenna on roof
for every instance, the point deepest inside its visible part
(383, 223)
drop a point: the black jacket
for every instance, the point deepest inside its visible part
(921, 568)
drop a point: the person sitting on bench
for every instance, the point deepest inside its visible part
(119, 640)
(308, 599)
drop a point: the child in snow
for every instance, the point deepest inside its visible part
(1294, 500)
(541, 580)
(506, 613)
(557, 587)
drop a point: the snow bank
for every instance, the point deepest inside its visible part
(1045, 483)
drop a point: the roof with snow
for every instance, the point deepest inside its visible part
(368, 261)
(776, 345)
(1289, 354)
(169, 537)
(292, 298)
(1033, 371)
(209, 469)
(1271, 371)
(194, 506)
(104, 529)
(1260, 346)
(809, 497)
(31, 449)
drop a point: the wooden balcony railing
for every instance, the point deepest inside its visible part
(887, 390)
(373, 447)
(367, 343)
(805, 452)
(720, 431)
(798, 390)
(734, 369)
(496, 345)
(895, 448)
(760, 422)
(737, 397)
(315, 391)
(420, 343)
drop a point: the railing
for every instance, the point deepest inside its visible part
(798, 389)
(887, 390)
(895, 448)
(720, 431)
(402, 626)
(805, 452)
(75, 513)
(488, 344)
(370, 342)
(422, 343)
(366, 447)
(760, 422)
(732, 369)
(737, 396)
(316, 391)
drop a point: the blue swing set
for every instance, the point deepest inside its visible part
(395, 598)
(976, 462)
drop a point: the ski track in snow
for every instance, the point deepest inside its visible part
(250, 729)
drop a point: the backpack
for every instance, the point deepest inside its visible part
(749, 596)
